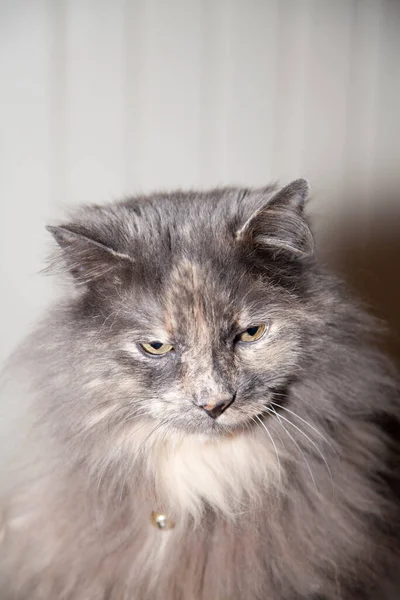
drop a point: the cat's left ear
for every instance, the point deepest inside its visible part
(87, 259)
(280, 224)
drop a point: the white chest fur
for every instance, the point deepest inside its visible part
(225, 474)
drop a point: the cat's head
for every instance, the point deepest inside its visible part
(190, 306)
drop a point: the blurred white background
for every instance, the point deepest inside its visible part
(105, 98)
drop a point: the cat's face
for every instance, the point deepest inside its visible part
(198, 314)
(211, 371)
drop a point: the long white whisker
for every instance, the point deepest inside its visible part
(275, 448)
(304, 421)
(138, 452)
(132, 416)
(311, 442)
(104, 469)
(273, 412)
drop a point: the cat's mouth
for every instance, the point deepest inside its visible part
(228, 423)
(243, 414)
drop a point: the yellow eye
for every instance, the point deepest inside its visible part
(252, 334)
(157, 348)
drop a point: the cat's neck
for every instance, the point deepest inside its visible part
(190, 473)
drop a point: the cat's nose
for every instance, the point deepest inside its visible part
(215, 409)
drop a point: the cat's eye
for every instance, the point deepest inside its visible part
(253, 334)
(156, 348)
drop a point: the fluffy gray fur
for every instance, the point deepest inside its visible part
(290, 494)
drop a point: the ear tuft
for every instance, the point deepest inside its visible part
(87, 259)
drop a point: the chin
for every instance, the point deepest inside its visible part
(223, 426)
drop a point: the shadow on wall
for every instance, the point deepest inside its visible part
(369, 260)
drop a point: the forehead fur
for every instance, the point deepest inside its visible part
(169, 223)
(182, 250)
(185, 289)
(197, 302)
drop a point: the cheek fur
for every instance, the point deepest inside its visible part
(271, 362)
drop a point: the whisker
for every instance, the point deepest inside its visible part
(273, 411)
(311, 442)
(104, 469)
(275, 448)
(158, 426)
(132, 416)
(306, 422)
(101, 477)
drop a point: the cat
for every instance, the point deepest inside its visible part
(203, 415)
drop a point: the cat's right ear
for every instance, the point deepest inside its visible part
(278, 223)
(87, 259)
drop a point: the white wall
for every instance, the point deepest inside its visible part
(101, 98)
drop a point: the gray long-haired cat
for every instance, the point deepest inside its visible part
(204, 417)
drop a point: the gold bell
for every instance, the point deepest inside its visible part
(161, 521)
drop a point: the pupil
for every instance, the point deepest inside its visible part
(156, 345)
(252, 330)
